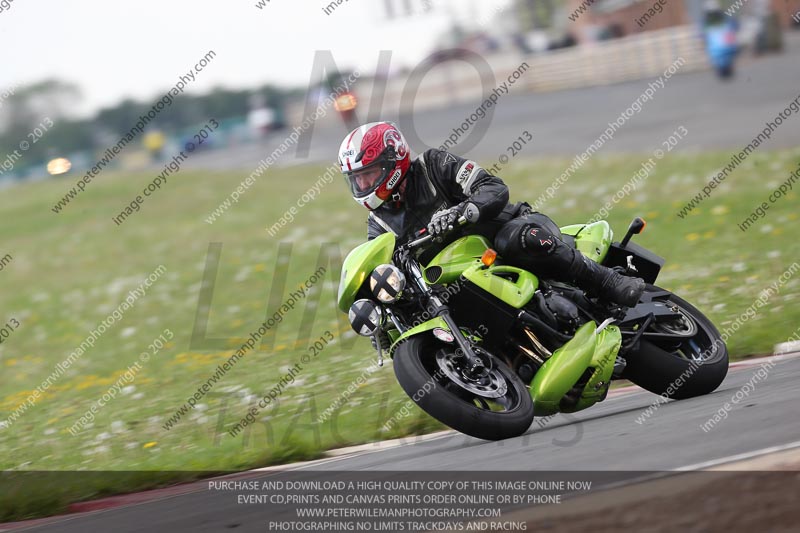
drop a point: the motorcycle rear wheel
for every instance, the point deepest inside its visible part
(692, 366)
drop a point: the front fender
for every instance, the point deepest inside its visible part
(436, 322)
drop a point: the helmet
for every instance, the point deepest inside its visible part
(374, 159)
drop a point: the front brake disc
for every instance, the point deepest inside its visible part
(490, 384)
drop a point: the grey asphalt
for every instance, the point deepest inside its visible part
(607, 436)
(604, 437)
(719, 116)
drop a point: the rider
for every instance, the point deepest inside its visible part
(433, 191)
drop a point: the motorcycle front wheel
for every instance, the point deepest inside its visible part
(493, 406)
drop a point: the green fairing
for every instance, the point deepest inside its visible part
(462, 257)
(560, 372)
(565, 367)
(360, 263)
(514, 293)
(457, 257)
(593, 240)
(605, 354)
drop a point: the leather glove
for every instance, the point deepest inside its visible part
(444, 220)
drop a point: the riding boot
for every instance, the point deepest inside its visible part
(607, 283)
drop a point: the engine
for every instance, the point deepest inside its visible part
(557, 311)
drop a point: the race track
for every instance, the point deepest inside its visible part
(721, 116)
(605, 437)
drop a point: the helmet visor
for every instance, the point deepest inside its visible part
(365, 180)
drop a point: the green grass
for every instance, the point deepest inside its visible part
(70, 270)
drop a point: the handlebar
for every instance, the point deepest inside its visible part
(427, 238)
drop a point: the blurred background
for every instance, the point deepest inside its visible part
(568, 45)
(79, 76)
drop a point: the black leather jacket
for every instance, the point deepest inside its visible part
(438, 180)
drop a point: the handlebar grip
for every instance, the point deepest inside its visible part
(462, 220)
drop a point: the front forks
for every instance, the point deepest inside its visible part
(475, 365)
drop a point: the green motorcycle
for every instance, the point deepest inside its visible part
(483, 346)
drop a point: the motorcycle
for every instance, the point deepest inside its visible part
(721, 42)
(484, 346)
(346, 104)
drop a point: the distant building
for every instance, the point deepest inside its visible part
(534, 14)
(597, 19)
(788, 12)
(618, 18)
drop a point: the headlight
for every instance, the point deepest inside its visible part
(365, 317)
(387, 283)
